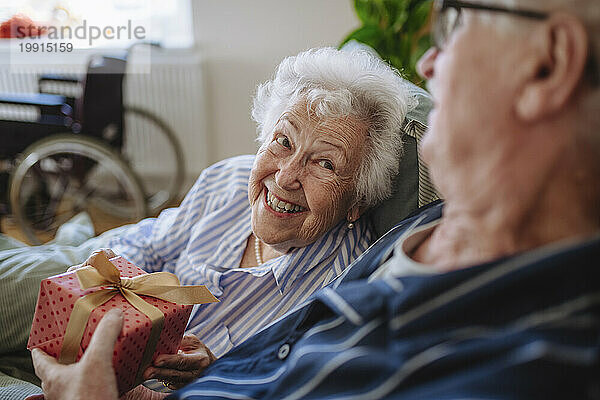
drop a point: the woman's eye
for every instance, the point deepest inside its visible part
(326, 164)
(284, 141)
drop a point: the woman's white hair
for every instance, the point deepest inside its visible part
(340, 83)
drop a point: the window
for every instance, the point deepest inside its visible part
(109, 24)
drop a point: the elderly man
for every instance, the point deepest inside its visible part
(493, 299)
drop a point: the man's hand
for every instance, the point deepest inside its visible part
(185, 366)
(109, 253)
(92, 377)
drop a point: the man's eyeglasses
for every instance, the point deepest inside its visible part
(447, 16)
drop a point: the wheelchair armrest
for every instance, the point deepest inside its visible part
(58, 78)
(47, 103)
(62, 85)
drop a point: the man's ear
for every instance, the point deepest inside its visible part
(561, 52)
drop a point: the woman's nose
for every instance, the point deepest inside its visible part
(287, 176)
(425, 65)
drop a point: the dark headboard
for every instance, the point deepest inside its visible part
(412, 186)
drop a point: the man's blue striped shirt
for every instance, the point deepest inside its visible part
(526, 326)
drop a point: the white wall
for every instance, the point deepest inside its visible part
(242, 42)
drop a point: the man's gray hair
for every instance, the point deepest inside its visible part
(588, 11)
(340, 83)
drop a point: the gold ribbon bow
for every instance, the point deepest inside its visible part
(102, 272)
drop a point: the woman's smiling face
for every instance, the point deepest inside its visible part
(303, 178)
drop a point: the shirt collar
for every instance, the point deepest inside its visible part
(288, 268)
(326, 253)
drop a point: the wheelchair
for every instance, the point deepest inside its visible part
(79, 153)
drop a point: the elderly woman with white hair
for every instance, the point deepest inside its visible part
(264, 232)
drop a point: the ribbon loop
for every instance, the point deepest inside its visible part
(99, 260)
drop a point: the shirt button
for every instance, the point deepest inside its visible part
(283, 352)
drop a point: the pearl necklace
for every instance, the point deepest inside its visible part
(259, 259)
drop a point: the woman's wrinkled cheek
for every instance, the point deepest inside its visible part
(254, 189)
(258, 173)
(330, 207)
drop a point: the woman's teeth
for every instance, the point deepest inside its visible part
(282, 206)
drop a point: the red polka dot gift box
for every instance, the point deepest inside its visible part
(71, 305)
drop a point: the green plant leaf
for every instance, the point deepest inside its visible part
(368, 34)
(366, 10)
(419, 16)
(397, 29)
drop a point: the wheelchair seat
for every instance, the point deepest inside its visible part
(49, 103)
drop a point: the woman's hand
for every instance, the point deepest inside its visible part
(141, 392)
(109, 253)
(92, 377)
(177, 370)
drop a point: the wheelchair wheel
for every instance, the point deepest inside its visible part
(63, 175)
(145, 138)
